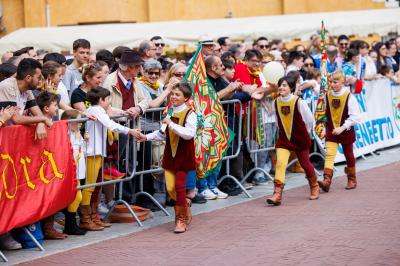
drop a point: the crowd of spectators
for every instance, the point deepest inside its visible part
(38, 86)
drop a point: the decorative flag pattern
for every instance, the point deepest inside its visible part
(320, 117)
(213, 136)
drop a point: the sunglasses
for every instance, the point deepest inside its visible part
(179, 75)
(153, 73)
(344, 44)
(263, 46)
(159, 44)
(308, 65)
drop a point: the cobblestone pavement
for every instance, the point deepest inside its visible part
(358, 227)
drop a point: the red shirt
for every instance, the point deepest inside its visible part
(242, 74)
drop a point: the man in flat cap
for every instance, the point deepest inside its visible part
(127, 95)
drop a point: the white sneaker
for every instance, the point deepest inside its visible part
(102, 209)
(219, 193)
(208, 194)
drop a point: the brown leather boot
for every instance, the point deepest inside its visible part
(188, 212)
(48, 229)
(180, 219)
(277, 196)
(95, 218)
(326, 183)
(86, 221)
(314, 187)
(351, 177)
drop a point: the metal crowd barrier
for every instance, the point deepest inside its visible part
(235, 123)
(129, 168)
(149, 154)
(253, 146)
(4, 258)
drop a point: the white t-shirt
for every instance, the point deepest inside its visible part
(62, 90)
(11, 95)
(79, 146)
(98, 130)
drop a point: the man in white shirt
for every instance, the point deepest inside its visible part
(17, 92)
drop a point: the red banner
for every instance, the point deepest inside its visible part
(37, 177)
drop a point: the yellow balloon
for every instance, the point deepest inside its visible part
(273, 71)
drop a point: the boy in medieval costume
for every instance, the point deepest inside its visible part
(179, 153)
(295, 121)
(342, 114)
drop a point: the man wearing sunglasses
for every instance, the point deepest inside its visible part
(262, 45)
(159, 43)
(343, 45)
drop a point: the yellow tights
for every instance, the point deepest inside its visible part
(73, 207)
(170, 184)
(92, 171)
(331, 151)
(281, 163)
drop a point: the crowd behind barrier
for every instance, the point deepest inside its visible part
(138, 84)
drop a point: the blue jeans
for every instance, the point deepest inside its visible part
(191, 180)
(209, 181)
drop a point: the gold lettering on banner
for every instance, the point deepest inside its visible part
(3, 175)
(24, 161)
(57, 174)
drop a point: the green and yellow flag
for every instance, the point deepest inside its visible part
(319, 114)
(213, 135)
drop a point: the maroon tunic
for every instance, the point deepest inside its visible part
(347, 136)
(128, 99)
(299, 139)
(184, 159)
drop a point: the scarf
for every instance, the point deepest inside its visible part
(154, 86)
(43, 87)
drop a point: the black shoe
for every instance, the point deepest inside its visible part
(148, 204)
(71, 227)
(169, 202)
(198, 199)
(234, 191)
(272, 172)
